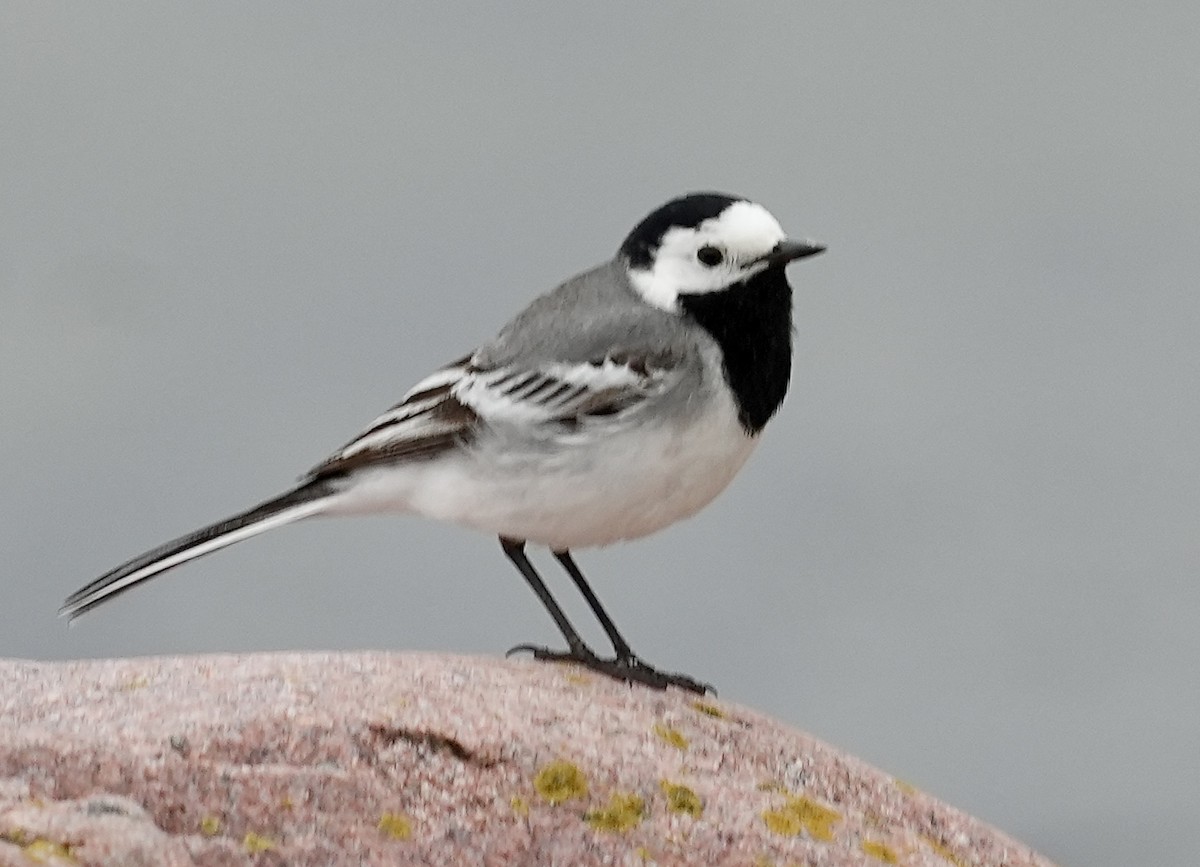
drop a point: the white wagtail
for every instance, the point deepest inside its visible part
(619, 403)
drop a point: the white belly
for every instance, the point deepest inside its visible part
(594, 490)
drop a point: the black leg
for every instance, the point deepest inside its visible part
(626, 666)
(620, 645)
(516, 552)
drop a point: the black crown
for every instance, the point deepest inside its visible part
(686, 212)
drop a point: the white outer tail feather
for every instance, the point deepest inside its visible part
(117, 581)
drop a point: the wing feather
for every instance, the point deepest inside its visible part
(451, 406)
(560, 392)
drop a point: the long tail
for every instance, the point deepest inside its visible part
(303, 502)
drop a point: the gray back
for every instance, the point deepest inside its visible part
(587, 317)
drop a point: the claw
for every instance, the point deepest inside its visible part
(629, 669)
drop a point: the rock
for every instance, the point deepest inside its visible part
(408, 759)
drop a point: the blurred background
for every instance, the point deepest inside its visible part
(967, 548)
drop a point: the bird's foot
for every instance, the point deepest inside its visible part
(628, 668)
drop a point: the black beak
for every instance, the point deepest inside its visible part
(787, 250)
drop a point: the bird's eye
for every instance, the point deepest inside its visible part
(710, 256)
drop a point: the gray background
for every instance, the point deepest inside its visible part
(966, 550)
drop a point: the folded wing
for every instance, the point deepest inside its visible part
(458, 402)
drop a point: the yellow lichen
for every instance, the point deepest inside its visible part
(681, 799)
(519, 806)
(42, 851)
(560, 781)
(880, 851)
(254, 843)
(783, 822)
(396, 825)
(802, 814)
(16, 836)
(708, 709)
(623, 813)
(210, 826)
(138, 682)
(672, 736)
(943, 851)
(906, 787)
(645, 854)
(576, 678)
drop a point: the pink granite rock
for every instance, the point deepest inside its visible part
(406, 759)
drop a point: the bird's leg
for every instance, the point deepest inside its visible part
(620, 645)
(626, 665)
(515, 550)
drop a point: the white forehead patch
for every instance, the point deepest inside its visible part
(743, 232)
(745, 226)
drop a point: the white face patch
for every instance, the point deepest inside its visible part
(742, 233)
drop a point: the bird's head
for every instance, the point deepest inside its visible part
(703, 243)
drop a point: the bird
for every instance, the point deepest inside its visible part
(614, 405)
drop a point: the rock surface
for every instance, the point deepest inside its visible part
(407, 759)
